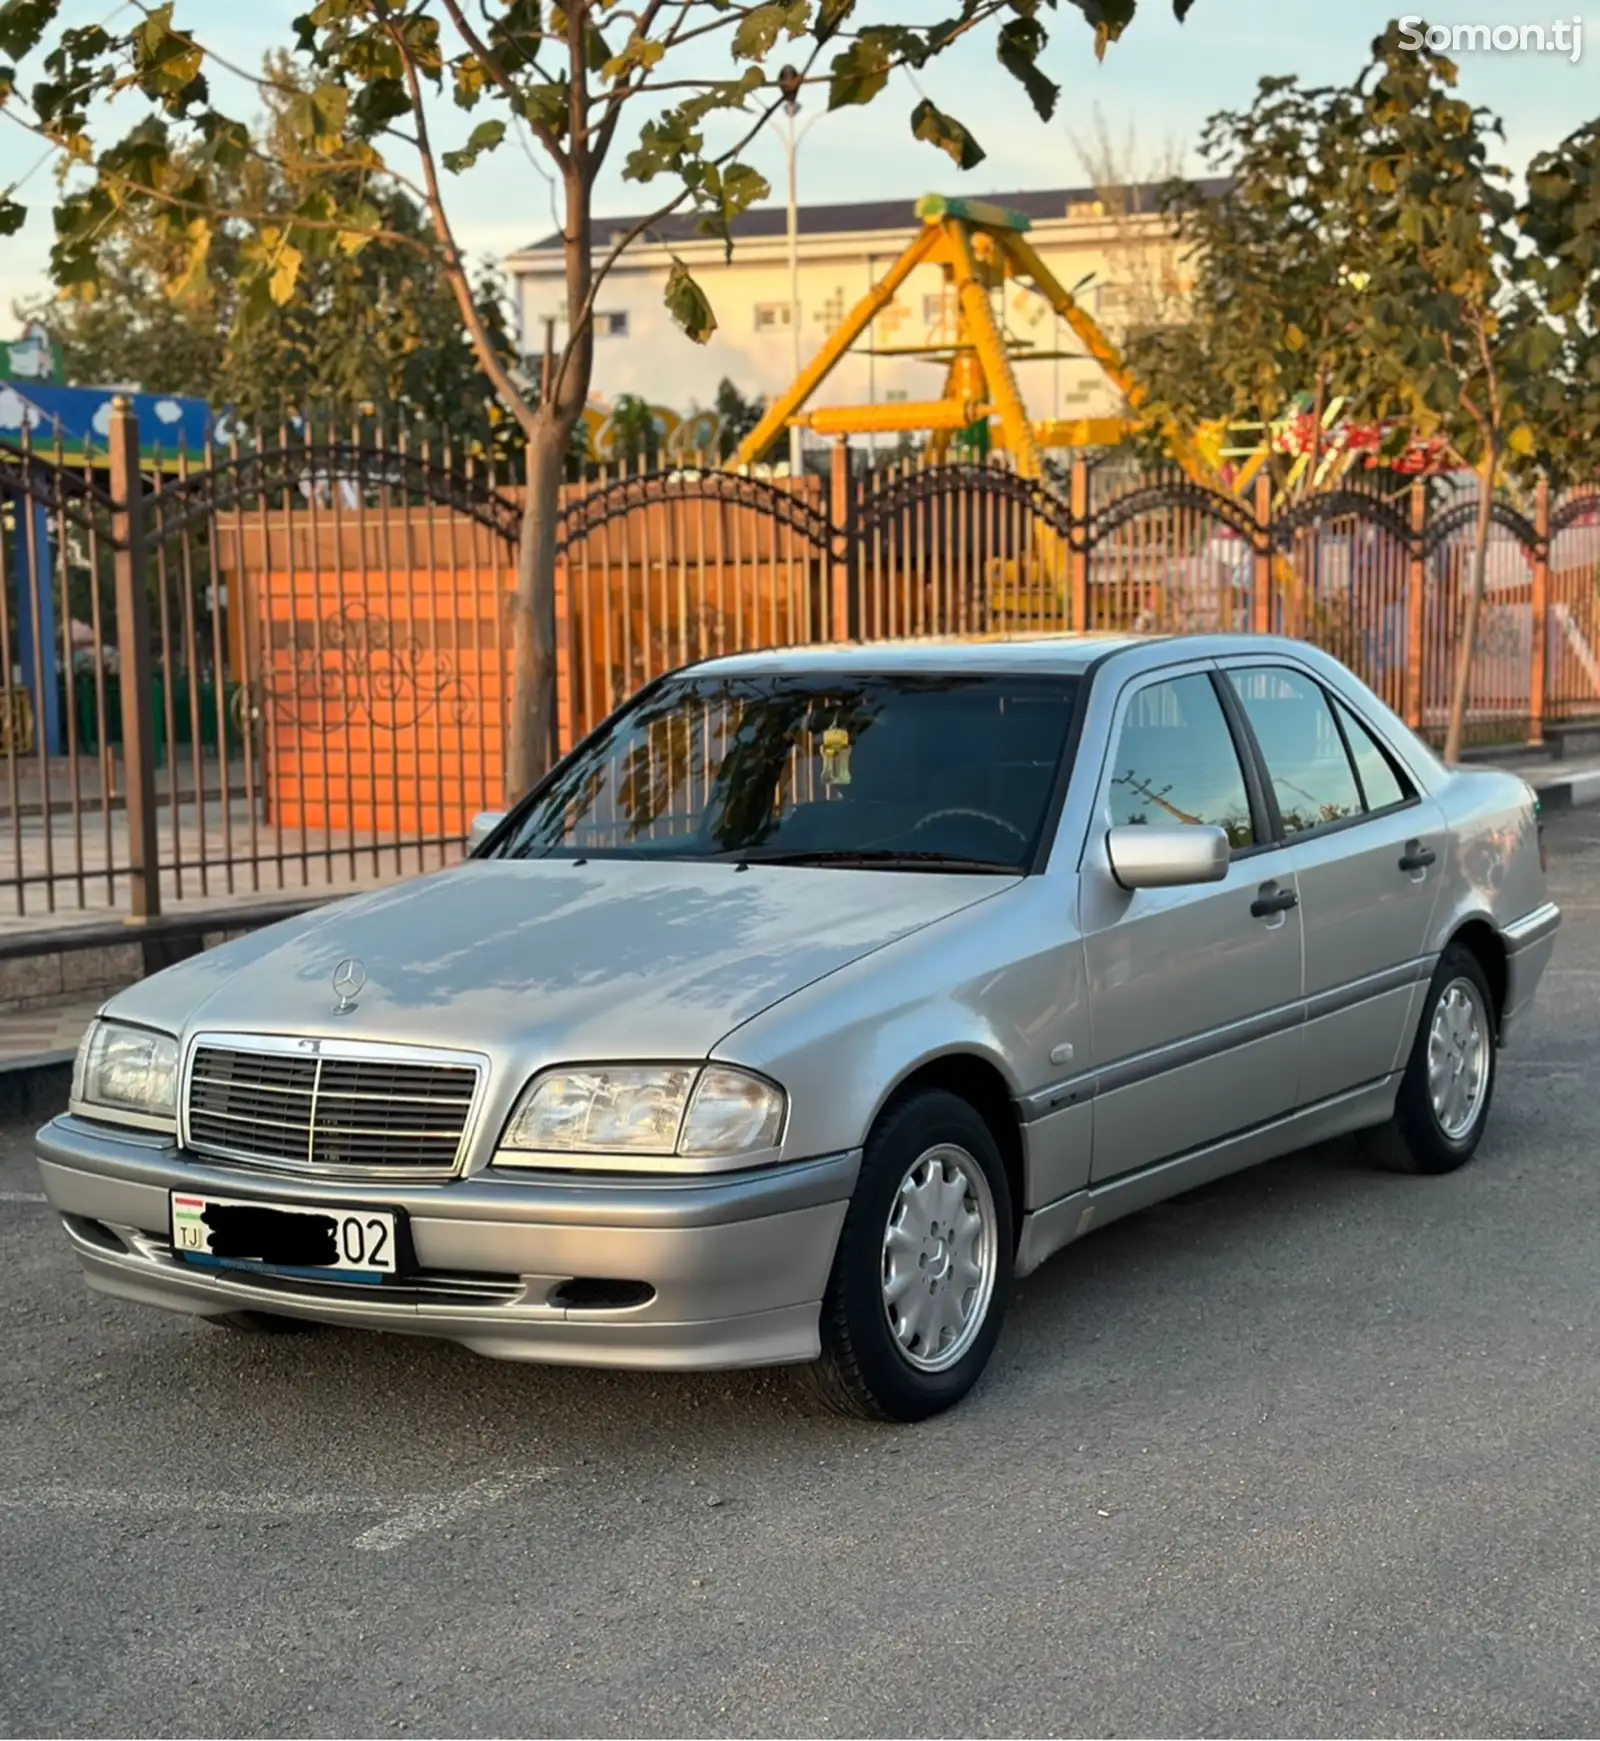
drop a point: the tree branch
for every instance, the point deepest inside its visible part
(626, 87)
(454, 269)
(578, 323)
(503, 79)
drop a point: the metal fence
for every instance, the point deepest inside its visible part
(281, 668)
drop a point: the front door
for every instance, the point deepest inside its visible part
(1367, 851)
(1194, 999)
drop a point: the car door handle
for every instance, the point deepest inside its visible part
(1270, 899)
(1417, 856)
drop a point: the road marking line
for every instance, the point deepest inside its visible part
(400, 1520)
(427, 1515)
(23, 1197)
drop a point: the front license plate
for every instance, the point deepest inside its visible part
(352, 1245)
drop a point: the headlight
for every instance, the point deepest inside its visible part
(650, 1110)
(127, 1073)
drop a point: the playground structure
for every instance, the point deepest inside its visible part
(980, 248)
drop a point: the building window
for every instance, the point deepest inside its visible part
(611, 326)
(938, 308)
(832, 311)
(772, 316)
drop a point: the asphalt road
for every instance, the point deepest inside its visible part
(1314, 1451)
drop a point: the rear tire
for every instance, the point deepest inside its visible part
(1448, 1087)
(265, 1324)
(922, 1275)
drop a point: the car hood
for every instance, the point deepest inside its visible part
(597, 959)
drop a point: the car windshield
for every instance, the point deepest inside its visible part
(945, 772)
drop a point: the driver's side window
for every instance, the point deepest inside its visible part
(1175, 762)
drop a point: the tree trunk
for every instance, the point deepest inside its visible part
(532, 747)
(1469, 629)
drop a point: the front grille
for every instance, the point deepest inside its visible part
(329, 1114)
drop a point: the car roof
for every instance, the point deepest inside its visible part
(1064, 654)
(1067, 654)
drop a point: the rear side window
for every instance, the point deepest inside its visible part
(1381, 785)
(1310, 770)
(1175, 762)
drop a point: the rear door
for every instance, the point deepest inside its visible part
(1368, 851)
(1194, 994)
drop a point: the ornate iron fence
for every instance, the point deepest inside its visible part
(281, 668)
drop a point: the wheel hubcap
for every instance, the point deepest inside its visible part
(940, 1251)
(1458, 1058)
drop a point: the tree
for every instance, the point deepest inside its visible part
(1367, 248)
(1560, 220)
(739, 416)
(1150, 286)
(1446, 326)
(378, 326)
(569, 79)
(1274, 255)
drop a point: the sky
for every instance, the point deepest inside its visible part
(1154, 89)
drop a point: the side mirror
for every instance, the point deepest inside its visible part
(1167, 858)
(483, 825)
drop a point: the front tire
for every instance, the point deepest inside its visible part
(922, 1275)
(1444, 1099)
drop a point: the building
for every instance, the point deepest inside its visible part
(1111, 248)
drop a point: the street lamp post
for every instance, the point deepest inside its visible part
(789, 85)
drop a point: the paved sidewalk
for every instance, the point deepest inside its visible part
(47, 1030)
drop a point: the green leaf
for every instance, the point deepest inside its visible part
(859, 73)
(12, 215)
(363, 220)
(23, 24)
(937, 128)
(688, 304)
(733, 188)
(285, 273)
(831, 15)
(165, 64)
(471, 81)
(1021, 42)
(486, 136)
(547, 106)
(1109, 18)
(761, 26)
(191, 279)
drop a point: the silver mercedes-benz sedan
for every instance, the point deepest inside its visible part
(815, 998)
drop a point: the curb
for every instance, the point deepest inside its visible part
(1571, 794)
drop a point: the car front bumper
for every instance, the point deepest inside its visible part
(735, 1265)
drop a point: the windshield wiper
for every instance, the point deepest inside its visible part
(880, 858)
